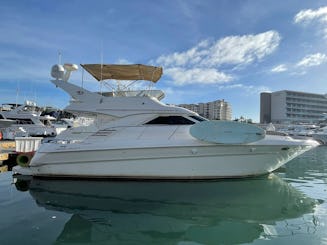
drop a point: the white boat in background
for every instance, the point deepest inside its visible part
(62, 124)
(321, 135)
(301, 131)
(4, 123)
(134, 135)
(26, 120)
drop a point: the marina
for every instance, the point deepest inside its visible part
(144, 172)
(179, 122)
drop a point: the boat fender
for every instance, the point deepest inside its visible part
(24, 159)
(0, 135)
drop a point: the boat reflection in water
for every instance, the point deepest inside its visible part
(211, 212)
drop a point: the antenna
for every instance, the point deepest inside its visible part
(59, 57)
(101, 59)
(17, 92)
(32, 90)
(82, 78)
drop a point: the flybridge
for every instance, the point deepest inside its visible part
(124, 72)
(130, 101)
(102, 72)
(108, 71)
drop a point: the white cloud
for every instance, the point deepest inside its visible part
(204, 62)
(319, 16)
(300, 68)
(312, 60)
(240, 50)
(249, 89)
(279, 68)
(183, 76)
(192, 56)
(231, 50)
(309, 15)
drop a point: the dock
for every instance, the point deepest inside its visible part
(7, 152)
(3, 168)
(7, 145)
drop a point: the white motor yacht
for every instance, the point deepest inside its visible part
(4, 123)
(301, 131)
(135, 135)
(321, 135)
(26, 120)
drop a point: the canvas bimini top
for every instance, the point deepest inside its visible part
(124, 72)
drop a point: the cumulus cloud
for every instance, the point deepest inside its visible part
(242, 49)
(312, 60)
(301, 67)
(279, 68)
(192, 56)
(183, 76)
(229, 50)
(203, 62)
(318, 16)
(308, 15)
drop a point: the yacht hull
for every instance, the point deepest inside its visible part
(203, 162)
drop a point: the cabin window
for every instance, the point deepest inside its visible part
(1, 117)
(171, 120)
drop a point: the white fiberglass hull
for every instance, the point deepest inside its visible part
(192, 162)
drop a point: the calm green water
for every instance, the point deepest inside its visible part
(287, 207)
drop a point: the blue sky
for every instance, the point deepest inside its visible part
(208, 49)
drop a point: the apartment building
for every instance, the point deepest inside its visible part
(215, 110)
(292, 107)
